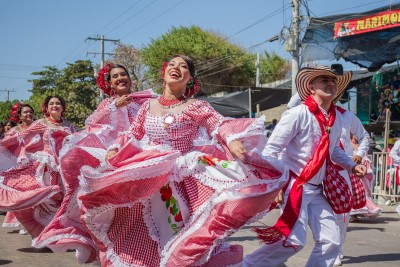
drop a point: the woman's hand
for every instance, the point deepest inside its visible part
(279, 197)
(111, 154)
(123, 101)
(357, 159)
(237, 149)
(359, 170)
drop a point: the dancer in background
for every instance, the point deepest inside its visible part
(88, 148)
(351, 128)
(370, 210)
(23, 114)
(179, 182)
(32, 188)
(395, 156)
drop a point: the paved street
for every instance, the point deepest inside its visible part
(370, 243)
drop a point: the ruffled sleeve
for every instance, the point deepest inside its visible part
(102, 115)
(137, 127)
(225, 129)
(136, 130)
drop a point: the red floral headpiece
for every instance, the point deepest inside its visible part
(43, 108)
(102, 79)
(14, 116)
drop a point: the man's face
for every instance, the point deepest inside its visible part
(324, 87)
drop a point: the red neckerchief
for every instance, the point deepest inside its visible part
(287, 220)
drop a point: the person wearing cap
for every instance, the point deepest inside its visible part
(307, 138)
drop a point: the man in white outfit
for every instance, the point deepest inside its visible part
(351, 125)
(307, 137)
(395, 155)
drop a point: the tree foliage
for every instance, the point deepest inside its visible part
(5, 108)
(131, 58)
(272, 68)
(221, 66)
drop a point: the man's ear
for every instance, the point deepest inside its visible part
(312, 89)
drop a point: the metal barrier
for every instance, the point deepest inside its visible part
(386, 189)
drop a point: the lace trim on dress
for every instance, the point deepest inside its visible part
(150, 223)
(82, 253)
(255, 128)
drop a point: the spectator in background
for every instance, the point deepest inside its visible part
(271, 127)
(373, 117)
(1, 130)
(9, 124)
(395, 111)
(394, 82)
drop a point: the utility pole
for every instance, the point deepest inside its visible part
(102, 40)
(258, 70)
(8, 93)
(296, 34)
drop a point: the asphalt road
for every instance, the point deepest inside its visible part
(370, 243)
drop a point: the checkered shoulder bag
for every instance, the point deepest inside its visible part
(359, 199)
(336, 190)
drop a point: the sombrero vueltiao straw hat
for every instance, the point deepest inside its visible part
(306, 75)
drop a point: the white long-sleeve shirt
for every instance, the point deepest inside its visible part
(395, 153)
(351, 124)
(296, 138)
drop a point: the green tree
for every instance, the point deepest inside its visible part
(45, 84)
(5, 108)
(218, 62)
(272, 67)
(131, 58)
(78, 86)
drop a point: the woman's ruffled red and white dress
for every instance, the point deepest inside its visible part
(10, 220)
(370, 209)
(173, 193)
(86, 148)
(32, 187)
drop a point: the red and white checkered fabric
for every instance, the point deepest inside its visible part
(215, 197)
(337, 190)
(359, 198)
(32, 188)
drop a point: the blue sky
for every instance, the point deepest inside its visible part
(51, 33)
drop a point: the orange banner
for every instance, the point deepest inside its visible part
(376, 22)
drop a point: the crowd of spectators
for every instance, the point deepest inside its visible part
(389, 100)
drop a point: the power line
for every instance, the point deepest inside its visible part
(153, 19)
(125, 21)
(279, 10)
(117, 17)
(8, 93)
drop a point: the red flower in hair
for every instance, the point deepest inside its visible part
(164, 66)
(102, 78)
(44, 109)
(14, 116)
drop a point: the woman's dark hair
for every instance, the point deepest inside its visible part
(25, 105)
(115, 66)
(46, 103)
(12, 123)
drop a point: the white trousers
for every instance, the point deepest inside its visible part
(318, 215)
(343, 219)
